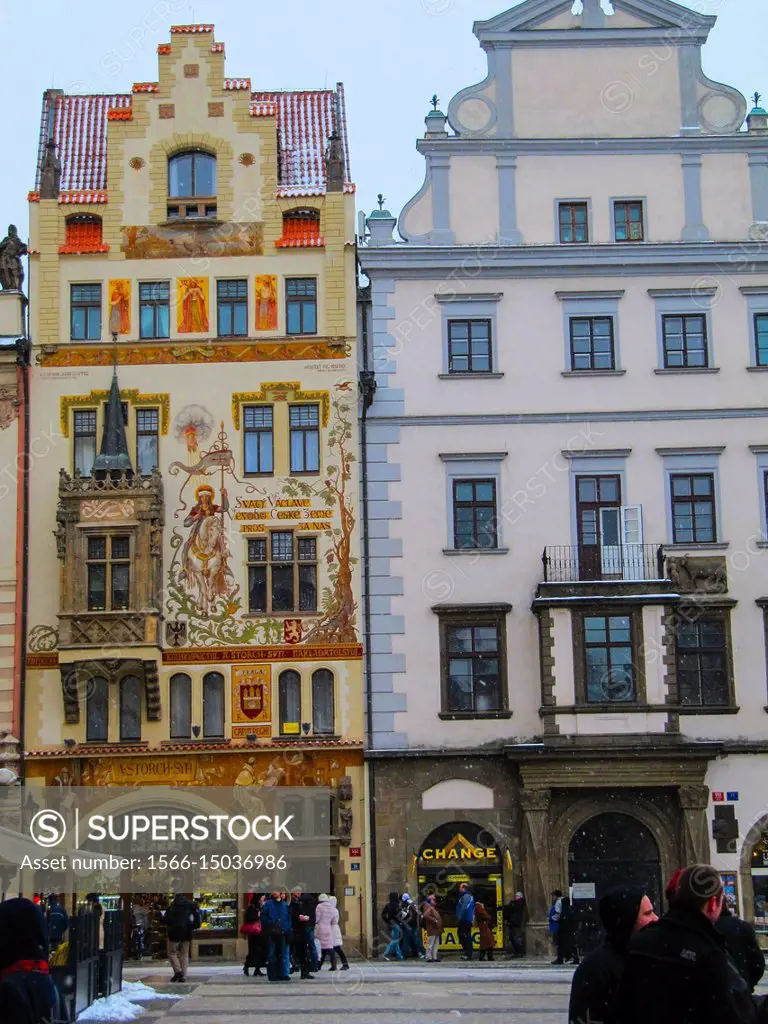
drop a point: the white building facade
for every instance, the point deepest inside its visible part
(567, 474)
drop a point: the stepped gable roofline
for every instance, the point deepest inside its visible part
(305, 122)
(660, 16)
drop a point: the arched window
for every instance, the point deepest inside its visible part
(181, 707)
(289, 687)
(213, 705)
(192, 176)
(323, 712)
(130, 708)
(97, 710)
(83, 233)
(301, 230)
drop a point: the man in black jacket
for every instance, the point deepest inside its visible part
(300, 925)
(741, 942)
(678, 970)
(514, 915)
(596, 981)
(27, 993)
(182, 918)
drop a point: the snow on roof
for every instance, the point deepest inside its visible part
(305, 122)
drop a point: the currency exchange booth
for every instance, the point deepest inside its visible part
(462, 851)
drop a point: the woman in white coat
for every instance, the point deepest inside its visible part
(328, 931)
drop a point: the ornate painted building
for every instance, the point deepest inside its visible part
(568, 466)
(194, 587)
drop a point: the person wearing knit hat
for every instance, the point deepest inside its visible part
(27, 992)
(596, 980)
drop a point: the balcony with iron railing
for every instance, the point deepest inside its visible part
(620, 563)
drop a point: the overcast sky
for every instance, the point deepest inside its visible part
(391, 57)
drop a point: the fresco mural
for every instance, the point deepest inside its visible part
(153, 242)
(216, 509)
(266, 302)
(192, 305)
(120, 300)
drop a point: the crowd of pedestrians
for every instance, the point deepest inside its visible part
(292, 933)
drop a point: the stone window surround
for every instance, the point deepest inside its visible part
(635, 613)
(482, 615)
(692, 460)
(690, 610)
(761, 452)
(643, 200)
(591, 303)
(473, 466)
(684, 302)
(757, 302)
(470, 306)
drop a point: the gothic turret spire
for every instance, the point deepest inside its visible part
(114, 444)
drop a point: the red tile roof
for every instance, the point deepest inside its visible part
(305, 121)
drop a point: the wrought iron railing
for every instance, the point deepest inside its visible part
(622, 562)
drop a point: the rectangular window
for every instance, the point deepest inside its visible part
(155, 309)
(685, 341)
(282, 573)
(232, 308)
(473, 683)
(258, 439)
(702, 662)
(108, 572)
(609, 669)
(130, 708)
(85, 309)
(474, 514)
(592, 343)
(305, 438)
(181, 707)
(97, 710)
(765, 501)
(761, 339)
(574, 222)
(147, 440)
(213, 705)
(628, 221)
(301, 305)
(469, 346)
(693, 508)
(84, 435)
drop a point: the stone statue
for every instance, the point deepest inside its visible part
(50, 173)
(11, 250)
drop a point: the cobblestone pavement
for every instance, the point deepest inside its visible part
(371, 993)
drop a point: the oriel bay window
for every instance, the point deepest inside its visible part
(108, 572)
(473, 660)
(282, 573)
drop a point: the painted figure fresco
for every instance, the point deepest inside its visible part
(205, 556)
(266, 302)
(192, 305)
(155, 242)
(120, 300)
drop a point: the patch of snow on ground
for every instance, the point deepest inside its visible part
(122, 1005)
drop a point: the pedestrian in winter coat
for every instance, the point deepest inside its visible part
(741, 942)
(409, 916)
(300, 919)
(276, 923)
(433, 922)
(678, 970)
(257, 944)
(390, 915)
(182, 918)
(565, 937)
(514, 914)
(58, 922)
(27, 992)
(465, 918)
(338, 938)
(595, 988)
(328, 932)
(487, 941)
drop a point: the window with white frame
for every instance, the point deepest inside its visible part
(683, 328)
(474, 499)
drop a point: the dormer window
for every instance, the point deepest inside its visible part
(301, 230)
(83, 233)
(192, 186)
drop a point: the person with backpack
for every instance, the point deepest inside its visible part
(182, 918)
(390, 915)
(27, 992)
(411, 925)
